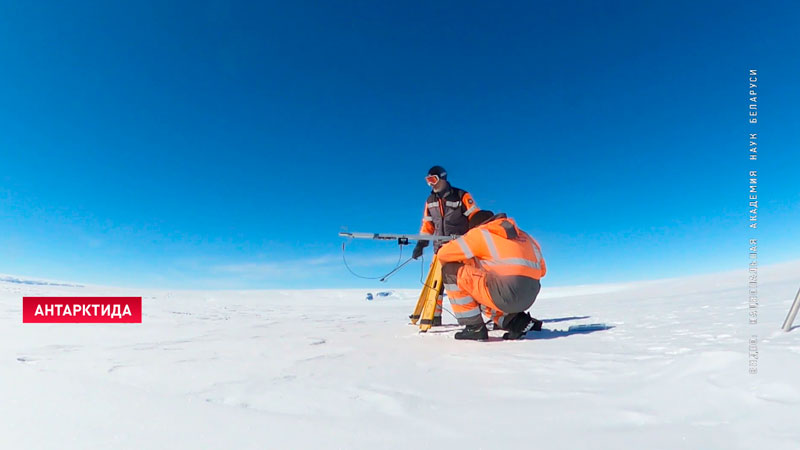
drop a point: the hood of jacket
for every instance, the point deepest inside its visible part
(503, 226)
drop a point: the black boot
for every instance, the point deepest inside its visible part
(437, 321)
(521, 324)
(474, 333)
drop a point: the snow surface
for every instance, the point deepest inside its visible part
(329, 369)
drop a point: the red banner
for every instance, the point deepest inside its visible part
(82, 310)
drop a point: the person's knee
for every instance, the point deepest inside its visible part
(450, 272)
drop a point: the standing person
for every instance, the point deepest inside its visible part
(494, 268)
(447, 211)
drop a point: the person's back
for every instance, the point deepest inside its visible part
(510, 250)
(495, 267)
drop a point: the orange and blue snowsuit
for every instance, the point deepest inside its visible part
(495, 269)
(447, 213)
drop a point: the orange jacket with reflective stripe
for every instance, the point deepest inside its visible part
(500, 247)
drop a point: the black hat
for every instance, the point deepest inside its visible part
(438, 171)
(480, 217)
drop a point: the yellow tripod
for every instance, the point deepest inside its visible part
(426, 305)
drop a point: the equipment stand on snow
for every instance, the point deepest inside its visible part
(426, 305)
(787, 324)
(433, 289)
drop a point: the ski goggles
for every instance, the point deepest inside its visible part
(432, 179)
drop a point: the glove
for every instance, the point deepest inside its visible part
(418, 249)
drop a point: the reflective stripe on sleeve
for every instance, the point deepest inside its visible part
(470, 211)
(537, 252)
(489, 243)
(465, 247)
(513, 261)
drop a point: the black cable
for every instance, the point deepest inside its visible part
(422, 273)
(396, 266)
(385, 277)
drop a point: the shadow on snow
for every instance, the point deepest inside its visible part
(575, 329)
(564, 319)
(545, 333)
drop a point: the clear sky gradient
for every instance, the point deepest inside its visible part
(225, 144)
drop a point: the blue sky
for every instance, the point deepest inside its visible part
(225, 144)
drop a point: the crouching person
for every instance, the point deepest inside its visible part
(494, 269)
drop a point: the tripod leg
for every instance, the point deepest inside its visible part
(424, 294)
(435, 287)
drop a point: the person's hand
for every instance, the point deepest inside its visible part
(418, 249)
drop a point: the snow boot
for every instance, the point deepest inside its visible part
(473, 333)
(437, 321)
(521, 324)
